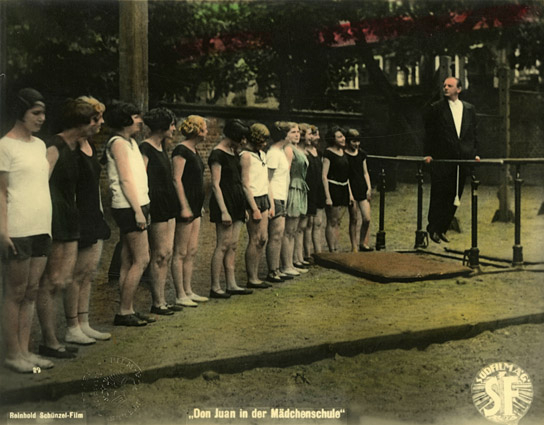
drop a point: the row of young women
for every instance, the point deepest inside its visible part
(53, 233)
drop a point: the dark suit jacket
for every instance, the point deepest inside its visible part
(441, 141)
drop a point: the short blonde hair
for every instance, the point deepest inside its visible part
(98, 106)
(304, 128)
(281, 128)
(192, 125)
(258, 134)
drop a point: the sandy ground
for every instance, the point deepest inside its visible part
(414, 386)
(426, 385)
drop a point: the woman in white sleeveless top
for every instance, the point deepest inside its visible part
(256, 188)
(130, 206)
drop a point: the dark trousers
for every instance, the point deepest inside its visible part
(443, 189)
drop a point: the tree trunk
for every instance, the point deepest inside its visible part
(133, 53)
(3, 70)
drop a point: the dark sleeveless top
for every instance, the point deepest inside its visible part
(316, 194)
(357, 180)
(192, 178)
(91, 218)
(62, 185)
(164, 203)
(338, 168)
(231, 186)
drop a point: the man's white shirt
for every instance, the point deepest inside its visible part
(456, 108)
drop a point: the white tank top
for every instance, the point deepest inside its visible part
(139, 174)
(277, 161)
(258, 173)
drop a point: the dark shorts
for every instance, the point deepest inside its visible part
(280, 209)
(92, 232)
(339, 194)
(126, 220)
(179, 219)
(30, 246)
(163, 208)
(263, 203)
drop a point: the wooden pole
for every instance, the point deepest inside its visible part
(3, 69)
(504, 213)
(133, 52)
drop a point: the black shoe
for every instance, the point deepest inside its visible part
(162, 311)
(300, 266)
(274, 278)
(242, 291)
(220, 295)
(363, 248)
(262, 285)
(145, 317)
(59, 353)
(175, 307)
(128, 320)
(434, 237)
(443, 237)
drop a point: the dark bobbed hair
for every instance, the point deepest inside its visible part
(26, 99)
(119, 114)
(76, 113)
(159, 119)
(329, 137)
(279, 130)
(236, 130)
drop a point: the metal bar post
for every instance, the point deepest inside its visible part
(517, 248)
(422, 239)
(474, 252)
(380, 236)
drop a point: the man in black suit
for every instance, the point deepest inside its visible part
(450, 127)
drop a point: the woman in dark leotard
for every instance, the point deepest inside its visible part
(227, 207)
(163, 207)
(188, 175)
(92, 226)
(77, 123)
(335, 183)
(359, 182)
(313, 234)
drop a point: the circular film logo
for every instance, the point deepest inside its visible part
(502, 392)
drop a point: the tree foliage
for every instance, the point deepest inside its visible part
(289, 49)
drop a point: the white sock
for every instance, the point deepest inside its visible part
(93, 333)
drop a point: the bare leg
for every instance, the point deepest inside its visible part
(364, 206)
(161, 239)
(308, 236)
(15, 286)
(276, 227)
(181, 242)
(257, 237)
(353, 224)
(20, 291)
(58, 275)
(298, 254)
(288, 244)
(317, 231)
(136, 248)
(224, 237)
(37, 267)
(84, 274)
(229, 260)
(192, 249)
